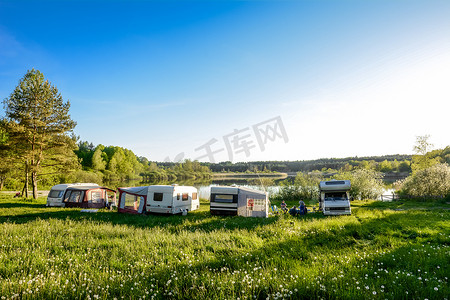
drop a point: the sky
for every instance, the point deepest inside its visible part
(240, 80)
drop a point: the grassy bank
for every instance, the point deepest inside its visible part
(394, 251)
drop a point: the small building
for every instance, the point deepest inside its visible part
(238, 200)
(89, 196)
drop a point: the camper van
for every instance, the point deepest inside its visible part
(55, 196)
(86, 196)
(334, 197)
(172, 199)
(166, 199)
(241, 201)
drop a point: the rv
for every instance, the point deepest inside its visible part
(240, 201)
(166, 199)
(55, 196)
(85, 196)
(334, 197)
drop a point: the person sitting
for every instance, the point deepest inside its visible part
(283, 206)
(293, 211)
(302, 207)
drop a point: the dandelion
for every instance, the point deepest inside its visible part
(435, 288)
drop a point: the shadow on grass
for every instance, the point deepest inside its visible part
(25, 203)
(404, 204)
(197, 220)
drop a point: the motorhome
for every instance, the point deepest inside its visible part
(240, 201)
(55, 196)
(85, 196)
(166, 199)
(334, 197)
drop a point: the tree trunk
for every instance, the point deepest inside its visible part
(34, 184)
(25, 186)
(2, 181)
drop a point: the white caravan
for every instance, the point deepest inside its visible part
(56, 194)
(241, 201)
(334, 197)
(167, 199)
(172, 199)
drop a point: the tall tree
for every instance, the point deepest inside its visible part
(422, 160)
(41, 126)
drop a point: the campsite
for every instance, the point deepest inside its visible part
(384, 250)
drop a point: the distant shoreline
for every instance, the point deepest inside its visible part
(249, 175)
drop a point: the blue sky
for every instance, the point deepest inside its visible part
(163, 78)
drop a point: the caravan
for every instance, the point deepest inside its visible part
(167, 199)
(55, 196)
(86, 196)
(241, 201)
(334, 197)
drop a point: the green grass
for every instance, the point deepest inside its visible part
(397, 250)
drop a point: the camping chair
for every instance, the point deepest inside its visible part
(275, 209)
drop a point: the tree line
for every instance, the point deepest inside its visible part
(386, 163)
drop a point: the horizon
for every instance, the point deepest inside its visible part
(239, 81)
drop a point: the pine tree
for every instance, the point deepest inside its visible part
(40, 127)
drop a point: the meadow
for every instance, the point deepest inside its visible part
(397, 250)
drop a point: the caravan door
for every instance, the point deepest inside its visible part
(160, 199)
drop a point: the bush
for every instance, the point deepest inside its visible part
(366, 184)
(430, 182)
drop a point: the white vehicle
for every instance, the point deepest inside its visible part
(334, 197)
(167, 199)
(241, 201)
(56, 194)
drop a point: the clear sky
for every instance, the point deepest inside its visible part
(244, 80)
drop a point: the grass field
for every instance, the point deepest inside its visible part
(397, 250)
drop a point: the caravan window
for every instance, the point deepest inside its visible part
(178, 196)
(55, 194)
(96, 197)
(223, 198)
(194, 196)
(131, 201)
(336, 196)
(75, 196)
(185, 197)
(158, 197)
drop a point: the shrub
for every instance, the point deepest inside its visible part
(433, 182)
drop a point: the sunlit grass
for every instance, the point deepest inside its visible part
(378, 252)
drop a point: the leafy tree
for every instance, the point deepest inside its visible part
(404, 166)
(422, 160)
(306, 186)
(39, 127)
(85, 152)
(432, 181)
(366, 184)
(98, 159)
(6, 163)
